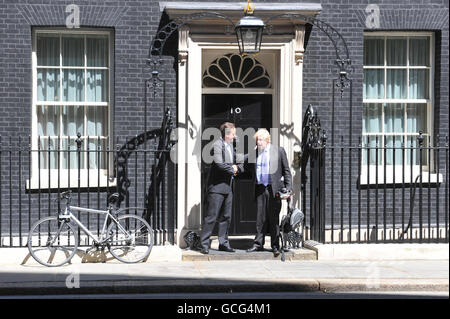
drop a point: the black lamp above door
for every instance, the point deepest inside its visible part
(249, 32)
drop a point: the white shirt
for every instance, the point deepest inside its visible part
(259, 165)
(228, 148)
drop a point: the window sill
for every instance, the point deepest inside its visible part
(63, 179)
(395, 176)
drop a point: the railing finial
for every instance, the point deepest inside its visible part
(79, 141)
(420, 138)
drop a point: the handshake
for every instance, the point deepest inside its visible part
(235, 170)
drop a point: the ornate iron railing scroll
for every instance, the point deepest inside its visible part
(342, 60)
(313, 151)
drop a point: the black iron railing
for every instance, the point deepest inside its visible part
(34, 173)
(383, 194)
(377, 192)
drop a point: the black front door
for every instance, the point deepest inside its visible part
(245, 111)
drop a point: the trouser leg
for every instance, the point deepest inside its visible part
(213, 204)
(261, 220)
(274, 221)
(225, 219)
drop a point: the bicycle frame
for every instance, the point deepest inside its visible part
(102, 238)
(118, 234)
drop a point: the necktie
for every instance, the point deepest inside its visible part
(264, 178)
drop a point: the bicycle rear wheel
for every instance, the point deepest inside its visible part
(131, 240)
(52, 242)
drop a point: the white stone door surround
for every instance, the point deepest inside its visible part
(286, 50)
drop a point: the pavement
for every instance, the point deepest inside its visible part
(23, 276)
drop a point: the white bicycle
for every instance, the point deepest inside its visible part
(53, 241)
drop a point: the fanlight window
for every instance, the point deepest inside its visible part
(235, 71)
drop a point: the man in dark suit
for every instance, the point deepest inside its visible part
(271, 173)
(219, 195)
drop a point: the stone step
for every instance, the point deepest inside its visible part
(216, 255)
(241, 244)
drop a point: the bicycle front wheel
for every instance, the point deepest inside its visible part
(52, 242)
(131, 239)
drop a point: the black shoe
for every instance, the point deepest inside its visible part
(228, 249)
(204, 251)
(254, 248)
(276, 252)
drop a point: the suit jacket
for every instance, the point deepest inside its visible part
(221, 170)
(280, 173)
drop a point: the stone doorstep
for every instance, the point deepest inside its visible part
(241, 244)
(401, 251)
(215, 255)
(240, 254)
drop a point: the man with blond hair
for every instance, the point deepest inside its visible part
(270, 173)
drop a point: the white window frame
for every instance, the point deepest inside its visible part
(60, 178)
(427, 169)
